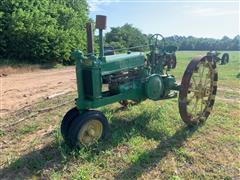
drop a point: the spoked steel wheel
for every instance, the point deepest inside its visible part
(198, 90)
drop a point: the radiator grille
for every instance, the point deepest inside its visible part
(87, 81)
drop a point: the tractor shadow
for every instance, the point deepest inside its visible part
(151, 159)
(57, 155)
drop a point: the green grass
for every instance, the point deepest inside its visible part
(146, 141)
(229, 74)
(28, 128)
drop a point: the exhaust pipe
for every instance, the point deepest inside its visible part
(101, 22)
(90, 48)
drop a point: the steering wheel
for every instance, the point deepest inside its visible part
(154, 40)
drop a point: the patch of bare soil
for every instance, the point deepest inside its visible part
(20, 90)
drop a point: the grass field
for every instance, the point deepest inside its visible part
(147, 141)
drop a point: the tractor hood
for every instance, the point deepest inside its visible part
(122, 62)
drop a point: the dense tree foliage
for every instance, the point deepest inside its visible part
(42, 30)
(125, 37)
(129, 36)
(48, 30)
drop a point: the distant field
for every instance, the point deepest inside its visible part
(147, 141)
(228, 74)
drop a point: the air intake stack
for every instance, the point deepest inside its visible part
(101, 25)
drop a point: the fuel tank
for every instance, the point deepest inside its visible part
(121, 62)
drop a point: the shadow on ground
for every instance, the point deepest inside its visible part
(55, 156)
(150, 159)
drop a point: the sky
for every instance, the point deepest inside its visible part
(199, 18)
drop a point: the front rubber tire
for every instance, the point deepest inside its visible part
(81, 121)
(67, 121)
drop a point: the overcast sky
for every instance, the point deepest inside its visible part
(200, 18)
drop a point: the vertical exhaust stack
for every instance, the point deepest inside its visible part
(90, 48)
(101, 22)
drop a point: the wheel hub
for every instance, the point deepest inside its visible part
(90, 132)
(201, 91)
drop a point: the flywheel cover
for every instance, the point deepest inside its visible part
(154, 87)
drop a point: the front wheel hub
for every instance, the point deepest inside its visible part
(90, 132)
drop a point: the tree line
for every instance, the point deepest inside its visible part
(193, 43)
(129, 36)
(49, 30)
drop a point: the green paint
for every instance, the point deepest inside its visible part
(131, 76)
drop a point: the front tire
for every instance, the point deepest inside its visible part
(67, 121)
(88, 128)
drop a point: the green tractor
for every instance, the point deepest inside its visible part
(133, 77)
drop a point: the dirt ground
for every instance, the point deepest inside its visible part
(20, 90)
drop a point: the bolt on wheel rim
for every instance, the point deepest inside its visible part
(90, 132)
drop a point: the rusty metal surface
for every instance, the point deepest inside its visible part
(185, 85)
(101, 22)
(89, 29)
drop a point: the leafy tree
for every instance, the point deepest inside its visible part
(48, 30)
(235, 44)
(42, 31)
(128, 36)
(125, 37)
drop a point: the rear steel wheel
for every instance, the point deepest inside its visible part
(198, 90)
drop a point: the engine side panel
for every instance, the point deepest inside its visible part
(122, 62)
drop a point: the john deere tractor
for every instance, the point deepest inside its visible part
(130, 78)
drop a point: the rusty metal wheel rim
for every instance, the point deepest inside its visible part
(90, 132)
(200, 92)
